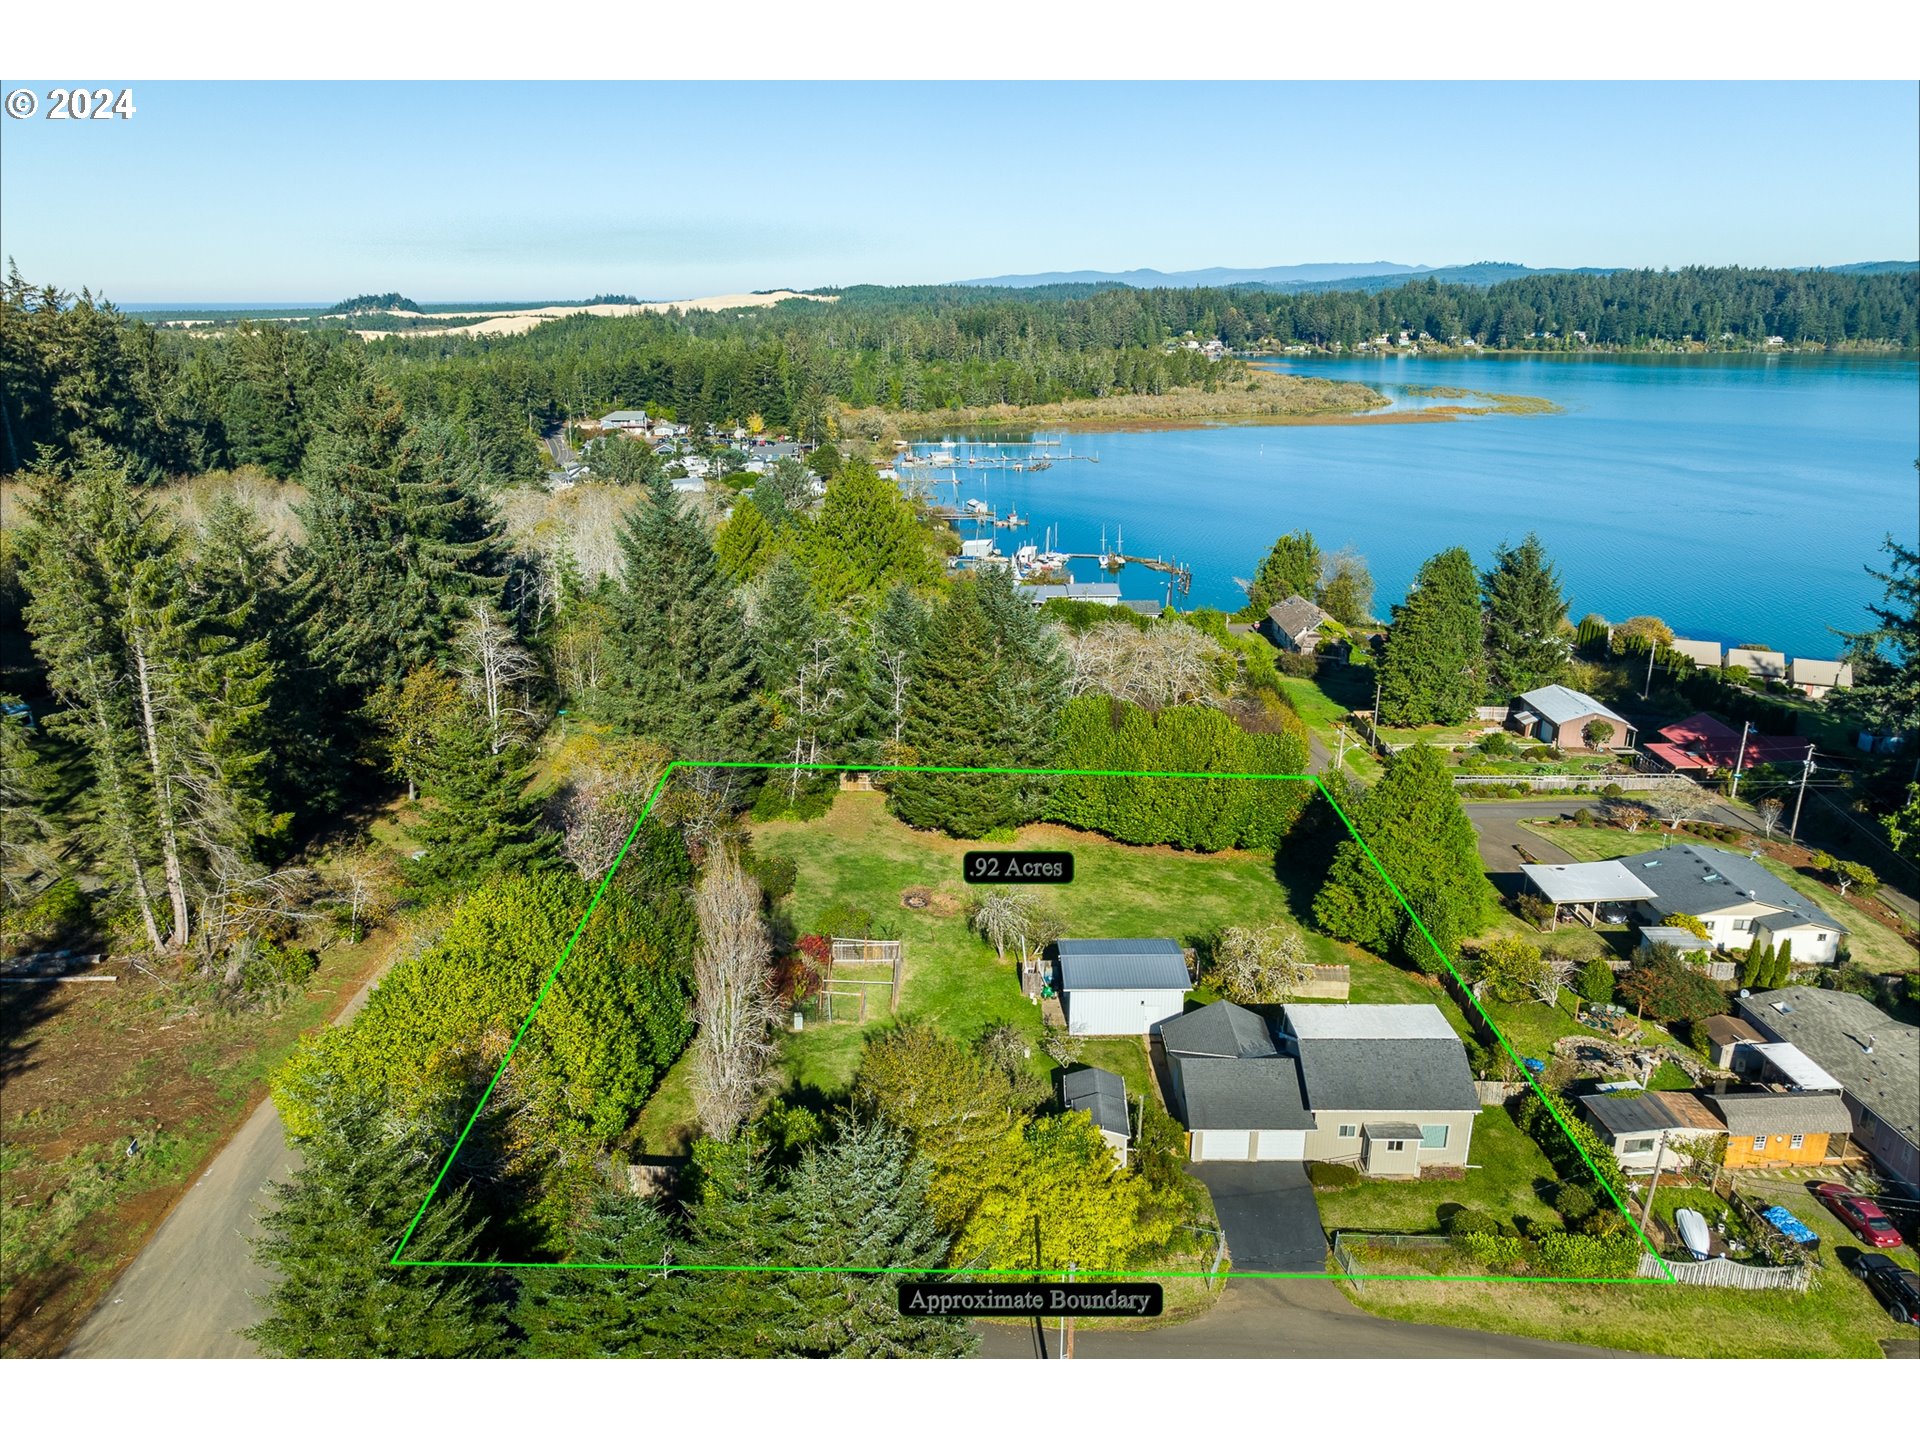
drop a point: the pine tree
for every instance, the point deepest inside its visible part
(728, 1307)
(332, 1235)
(895, 634)
(984, 694)
(866, 539)
(599, 1313)
(746, 544)
(1756, 965)
(1525, 616)
(398, 538)
(1886, 690)
(1780, 971)
(680, 668)
(859, 1202)
(482, 822)
(1431, 672)
(27, 787)
(1413, 824)
(1346, 591)
(164, 700)
(1291, 567)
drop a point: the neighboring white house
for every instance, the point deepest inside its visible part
(1704, 653)
(1737, 900)
(1384, 1087)
(1102, 1096)
(1816, 679)
(1759, 664)
(1120, 987)
(629, 421)
(1094, 592)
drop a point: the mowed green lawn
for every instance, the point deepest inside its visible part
(858, 854)
(1512, 1181)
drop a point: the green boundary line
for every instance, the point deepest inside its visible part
(1667, 1277)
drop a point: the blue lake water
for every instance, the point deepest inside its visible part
(1737, 498)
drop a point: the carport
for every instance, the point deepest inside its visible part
(1584, 888)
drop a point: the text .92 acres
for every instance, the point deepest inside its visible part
(1017, 867)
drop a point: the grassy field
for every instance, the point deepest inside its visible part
(1836, 1317)
(1323, 704)
(1511, 1182)
(1872, 943)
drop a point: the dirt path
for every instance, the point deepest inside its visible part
(192, 1289)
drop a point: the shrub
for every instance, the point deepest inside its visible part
(1465, 1221)
(775, 874)
(1574, 1202)
(1596, 981)
(1495, 1252)
(1583, 816)
(1536, 910)
(843, 918)
(1326, 1175)
(1590, 1257)
(1612, 791)
(1291, 662)
(1498, 743)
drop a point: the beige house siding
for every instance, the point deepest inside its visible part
(1325, 1142)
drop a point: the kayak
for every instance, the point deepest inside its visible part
(1693, 1232)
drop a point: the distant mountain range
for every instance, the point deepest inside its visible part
(1361, 275)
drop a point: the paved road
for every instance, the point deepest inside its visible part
(1496, 822)
(1269, 1213)
(190, 1292)
(1290, 1319)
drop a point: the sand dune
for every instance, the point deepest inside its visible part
(515, 322)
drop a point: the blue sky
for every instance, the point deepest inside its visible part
(450, 191)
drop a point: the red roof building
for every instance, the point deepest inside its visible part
(1702, 743)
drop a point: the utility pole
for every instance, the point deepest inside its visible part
(1653, 649)
(1740, 760)
(1659, 1154)
(1066, 1322)
(1341, 760)
(1793, 830)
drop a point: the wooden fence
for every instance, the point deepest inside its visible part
(1729, 1274)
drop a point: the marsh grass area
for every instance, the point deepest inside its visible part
(1872, 942)
(114, 1096)
(1836, 1316)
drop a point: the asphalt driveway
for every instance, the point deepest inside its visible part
(1269, 1213)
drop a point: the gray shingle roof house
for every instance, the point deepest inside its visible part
(1102, 1096)
(1294, 624)
(1120, 987)
(1875, 1058)
(1631, 1123)
(1736, 898)
(1771, 1112)
(1559, 716)
(1330, 1083)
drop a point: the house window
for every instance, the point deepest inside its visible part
(1347, 1132)
(1706, 924)
(1637, 1147)
(1759, 1143)
(1433, 1137)
(1396, 1144)
(1796, 1141)
(1821, 936)
(1742, 924)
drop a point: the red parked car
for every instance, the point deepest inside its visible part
(1861, 1216)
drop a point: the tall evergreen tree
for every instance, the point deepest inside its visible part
(398, 538)
(1886, 689)
(330, 1240)
(681, 670)
(482, 822)
(1413, 824)
(1435, 656)
(1526, 615)
(1346, 588)
(746, 544)
(1291, 567)
(867, 538)
(164, 698)
(599, 1312)
(984, 693)
(895, 634)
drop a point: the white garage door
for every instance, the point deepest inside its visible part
(1221, 1144)
(1280, 1145)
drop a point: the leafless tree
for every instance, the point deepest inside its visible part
(733, 1001)
(1259, 965)
(1628, 813)
(599, 803)
(703, 802)
(813, 700)
(1675, 800)
(1002, 917)
(494, 670)
(1769, 811)
(1168, 664)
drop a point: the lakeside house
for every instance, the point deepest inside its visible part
(1385, 1088)
(1874, 1058)
(1759, 664)
(1704, 653)
(1094, 592)
(1739, 901)
(1296, 624)
(1817, 679)
(1557, 715)
(1701, 744)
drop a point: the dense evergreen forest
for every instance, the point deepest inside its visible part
(180, 403)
